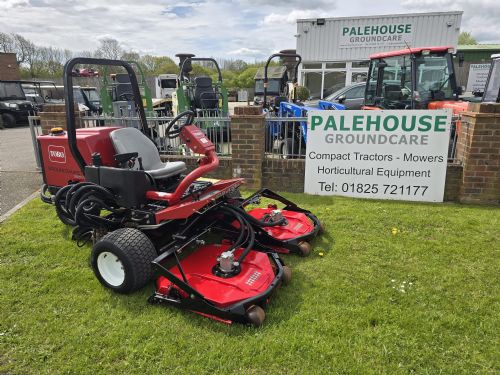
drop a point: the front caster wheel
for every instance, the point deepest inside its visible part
(305, 248)
(287, 275)
(256, 315)
(321, 228)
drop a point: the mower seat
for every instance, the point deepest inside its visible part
(128, 140)
(204, 94)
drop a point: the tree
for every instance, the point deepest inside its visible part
(109, 48)
(130, 56)
(15, 43)
(466, 38)
(154, 65)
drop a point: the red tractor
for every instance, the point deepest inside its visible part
(149, 219)
(413, 78)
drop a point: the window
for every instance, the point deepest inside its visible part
(433, 77)
(361, 64)
(273, 86)
(11, 90)
(168, 83)
(312, 66)
(312, 80)
(358, 77)
(333, 82)
(335, 65)
(355, 93)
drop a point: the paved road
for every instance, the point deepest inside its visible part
(18, 174)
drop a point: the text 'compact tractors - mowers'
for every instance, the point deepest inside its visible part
(208, 251)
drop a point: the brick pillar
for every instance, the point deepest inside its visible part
(247, 138)
(54, 116)
(479, 149)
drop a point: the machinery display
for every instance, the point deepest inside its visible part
(278, 87)
(209, 250)
(413, 78)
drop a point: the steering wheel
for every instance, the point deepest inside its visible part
(172, 131)
(126, 96)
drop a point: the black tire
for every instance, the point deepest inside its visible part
(134, 250)
(9, 121)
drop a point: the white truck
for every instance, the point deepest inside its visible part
(165, 88)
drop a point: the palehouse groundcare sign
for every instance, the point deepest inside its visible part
(478, 75)
(387, 35)
(398, 155)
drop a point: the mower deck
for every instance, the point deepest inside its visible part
(255, 276)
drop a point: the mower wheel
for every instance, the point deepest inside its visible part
(256, 315)
(305, 248)
(287, 275)
(321, 228)
(121, 260)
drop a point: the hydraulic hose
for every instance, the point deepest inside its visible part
(246, 227)
(256, 222)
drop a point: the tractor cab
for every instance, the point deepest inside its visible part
(277, 83)
(412, 78)
(492, 89)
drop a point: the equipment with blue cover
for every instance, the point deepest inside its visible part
(289, 138)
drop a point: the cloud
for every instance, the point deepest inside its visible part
(247, 52)
(249, 29)
(480, 17)
(292, 16)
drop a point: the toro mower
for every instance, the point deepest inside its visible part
(149, 219)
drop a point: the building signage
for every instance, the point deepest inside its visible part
(478, 75)
(375, 35)
(400, 155)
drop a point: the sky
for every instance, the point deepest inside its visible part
(239, 29)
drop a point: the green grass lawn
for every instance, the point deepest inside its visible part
(421, 299)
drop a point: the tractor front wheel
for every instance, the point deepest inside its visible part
(121, 260)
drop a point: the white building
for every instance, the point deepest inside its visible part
(335, 51)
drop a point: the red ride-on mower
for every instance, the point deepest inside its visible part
(145, 215)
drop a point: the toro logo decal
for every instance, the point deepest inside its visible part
(57, 154)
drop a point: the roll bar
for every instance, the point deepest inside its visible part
(269, 61)
(202, 59)
(69, 97)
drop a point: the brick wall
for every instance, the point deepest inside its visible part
(9, 70)
(479, 148)
(284, 174)
(54, 116)
(247, 134)
(453, 182)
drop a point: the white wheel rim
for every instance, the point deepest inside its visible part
(110, 268)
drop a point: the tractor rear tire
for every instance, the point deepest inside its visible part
(121, 260)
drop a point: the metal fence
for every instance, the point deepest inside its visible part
(286, 138)
(217, 129)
